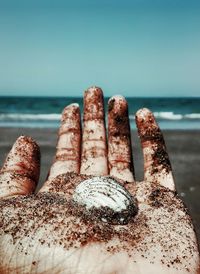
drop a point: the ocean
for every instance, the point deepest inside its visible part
(45, 112)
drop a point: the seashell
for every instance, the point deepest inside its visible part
(107, 199)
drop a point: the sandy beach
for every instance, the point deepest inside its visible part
(183, 148)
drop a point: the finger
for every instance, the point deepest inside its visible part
(119, 140)
(157, 166)
(67, 157)
(94, 147)
(20, 172)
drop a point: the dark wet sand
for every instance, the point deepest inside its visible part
(183, 147)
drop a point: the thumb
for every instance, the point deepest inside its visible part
(20, 172)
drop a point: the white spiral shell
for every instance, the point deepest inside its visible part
(106, 194)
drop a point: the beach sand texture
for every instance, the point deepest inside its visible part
(183, 148)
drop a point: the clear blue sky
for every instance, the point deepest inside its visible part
(133, 47)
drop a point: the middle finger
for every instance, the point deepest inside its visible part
(94, 146)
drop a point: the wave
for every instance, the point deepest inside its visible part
(55, 117)
(193, 116)
(174, 116)
(168, 115)
(29, 117)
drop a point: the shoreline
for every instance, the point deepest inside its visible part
(183, 147)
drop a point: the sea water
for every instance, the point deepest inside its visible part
(45, 112)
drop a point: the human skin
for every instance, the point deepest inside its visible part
(48, 232)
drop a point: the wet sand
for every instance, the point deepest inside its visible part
(183, 148)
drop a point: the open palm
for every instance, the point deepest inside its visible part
(51, 232)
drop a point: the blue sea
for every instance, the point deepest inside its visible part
(45, 112)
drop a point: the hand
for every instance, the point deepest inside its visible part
(72, 226)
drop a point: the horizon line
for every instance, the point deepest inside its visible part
(81, 96)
